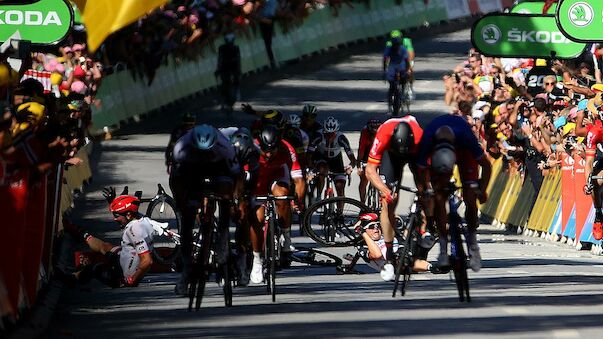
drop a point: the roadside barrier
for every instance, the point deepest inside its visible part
(561, 211)
(33, 210)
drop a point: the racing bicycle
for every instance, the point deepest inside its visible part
(272, 242)
(401, 97)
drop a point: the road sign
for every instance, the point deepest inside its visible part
(45, 22)
(581, 20)
(532, 7)
(522, 36)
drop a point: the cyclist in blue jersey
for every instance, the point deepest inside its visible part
(395, 61)
(202, 153)
(407, 43)
(446, 141)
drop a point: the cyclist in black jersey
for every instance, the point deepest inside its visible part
(324, 153)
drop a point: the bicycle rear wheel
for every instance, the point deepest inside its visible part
(331, 222)
(458, 259)
(409, 237)
(163, 209)
(311, 256)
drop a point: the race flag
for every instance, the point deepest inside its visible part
(103, 17)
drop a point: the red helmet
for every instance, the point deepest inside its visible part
(124, 203)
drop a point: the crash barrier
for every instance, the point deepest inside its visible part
(123, 97)
(559, 212)
(32, 208)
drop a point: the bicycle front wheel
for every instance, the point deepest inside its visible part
(331, 222)
(163, 209)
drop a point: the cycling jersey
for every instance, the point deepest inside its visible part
(221, 159)
(280, 167)
(136, 240)
(397, 62)
(297, 138)
(406, 42)
(331, 148)
(384, 135)
(378, 263)
(250, 162)
(464, 139)
(365, 143)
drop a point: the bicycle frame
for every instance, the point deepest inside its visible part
(458, 256)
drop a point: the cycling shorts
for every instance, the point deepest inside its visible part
(335, 165)
(267, 181)
(390, 169)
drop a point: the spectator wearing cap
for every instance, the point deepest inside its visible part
(535, 78)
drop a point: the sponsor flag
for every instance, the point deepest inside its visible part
(103, 17)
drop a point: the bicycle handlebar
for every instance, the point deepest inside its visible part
(408, 189)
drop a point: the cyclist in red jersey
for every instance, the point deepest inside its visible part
(278, 163)
(367, 136)
(394, 146)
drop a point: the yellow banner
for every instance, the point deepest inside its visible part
(103, 17)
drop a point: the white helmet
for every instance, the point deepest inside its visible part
(331, 125)
(294, 120)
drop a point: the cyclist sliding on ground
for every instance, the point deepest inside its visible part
(446, 141)
(202, 153)
(127, 264)
(367, 136)
(278, 164)
(395, 64)
(395, 145)
(325, 154)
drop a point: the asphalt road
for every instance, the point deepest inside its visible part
(528, 288)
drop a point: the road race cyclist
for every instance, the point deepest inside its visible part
(325, 155)
(395, 145)
(308, 121)
(395, 61)
(202, 153)
(277, 165)
(407, 43)
(124, 265)
(446, 141)
(367, 136)
(229, 71)
(297, 138)
(248, 155)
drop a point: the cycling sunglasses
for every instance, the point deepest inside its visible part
(373, 227)
(117, 215)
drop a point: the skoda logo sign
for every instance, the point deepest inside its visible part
(580, 14)
(491, 34)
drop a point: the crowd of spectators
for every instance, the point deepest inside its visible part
(45, 115)
(183, 28)
(528, 111)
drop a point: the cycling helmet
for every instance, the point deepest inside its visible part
(294, 120)
(124, 203)
(242, 142)
(395, 34)
(204, 137)
(274, 118)
(443, 158)
(331, 125)
(368, 219)
(402, 139)
(309, 110)
(373, 124)
(270, 138)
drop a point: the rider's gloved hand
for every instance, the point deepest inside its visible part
(109, 194)
(388, 196)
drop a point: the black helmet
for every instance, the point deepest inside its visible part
(402, 139)
(269, 138)
(242, 142)
(443, 158)
(274, 118)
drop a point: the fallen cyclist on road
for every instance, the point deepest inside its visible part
(123, 265)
